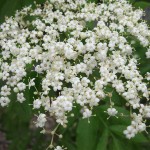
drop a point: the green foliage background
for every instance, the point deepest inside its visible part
(100, 134)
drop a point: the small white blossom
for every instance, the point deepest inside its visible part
(41, 120)
(20, 97)
(37, 104)
(58, 148)
(87, 113)
(112, 111)
(4, 101)
(21, 86)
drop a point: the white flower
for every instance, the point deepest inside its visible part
(41, 120)
(141, 127)
(87, 113)
(21, 86)
(148, 76)
(4, 101)
(130, 132)
(37, 104)
(112, 111)
(31, 83)
(5, 91)
(20, 97)
(148, 53)
(67, 106)
(58, 148)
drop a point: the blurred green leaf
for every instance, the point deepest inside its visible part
(93, 1)
(68, 141)
(118, 129)
(140, 138)
(117, 145)
(131, 1)
(87, 134)
(8, 7)
(142, 5)
(103, 140)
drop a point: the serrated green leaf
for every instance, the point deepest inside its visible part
(103, 140)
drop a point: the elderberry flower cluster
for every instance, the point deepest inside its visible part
(72, 63)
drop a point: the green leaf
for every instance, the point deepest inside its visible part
(90, 25)
(68, 142)
(103, 140)
(92, 1)
(87, 134)
(118, 129)
(131, 1)
(8, 8)
(29, 2)
(142, 5)
(140, 138)
(117, 145)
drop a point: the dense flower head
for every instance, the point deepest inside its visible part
(54, 42)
